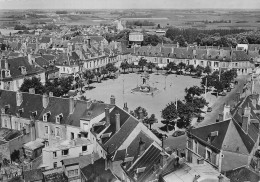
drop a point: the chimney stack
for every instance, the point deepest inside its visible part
(71, 105)
(220, 117)
(31, 90)
(246, 119)
(19, 98)
(112, 100)
(226, 112)
(107, 116)
(141, 114)
(125, 107)
(45, 100)
(117, 122)
(141, 147)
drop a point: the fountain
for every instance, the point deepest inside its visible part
(145, 86)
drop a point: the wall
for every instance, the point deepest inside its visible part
(48, 158)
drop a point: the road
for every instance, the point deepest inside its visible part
(218, 106)
(210, 117)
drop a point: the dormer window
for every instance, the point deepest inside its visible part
(23, 70)
(7, 73)
(34, 114)
(46, 116)
(7, 107)
(58, 118)
(20, 111)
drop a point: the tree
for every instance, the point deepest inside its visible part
(168, 125)
(171, 66)
(150, 66)
(104, 72)
(180, 39)
(132, 66)
(218, 85)
(157, 68)
(169, 113)
(111, 68)
(32, 83)
(142, 62)
(124, 65)
(181, 65)
(190, 68)
(150, 121)
(192, 92)
(88, 75)
(207, 70)
(138, 111)
(98, 75)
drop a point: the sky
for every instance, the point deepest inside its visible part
(129, 4)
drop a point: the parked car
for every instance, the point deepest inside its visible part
(179, 72)
(209, 109)
(178, 133)
(222, 94)
(200, 118)
(228, 89)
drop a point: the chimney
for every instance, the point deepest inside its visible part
(117, 122)
(112, 100)
(238, 96)
(31, 90)
(226, 112)
(107, 116)
(50, 94)
(141, 147)
(220, 178)
(220, 117)
(6, 65)
(45, 100)
(19, 98)
(246, 119)
(71, 105)
(141, 114)
(125, 107)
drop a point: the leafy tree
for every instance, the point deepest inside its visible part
(111, 68)
(207, 70)
(218, 85)
(104, 72)
(124, 65)
(98, 75)
(132, 66)
(190, 68)
(171, 66)
(142, 62)
(192, 92)
(150, 66)
(180, 39)
(169, 113)
(168, 125)
(157, 68)
(137, 112)
(88, 75)
(32, 83)
(150, 120)
(181, 65)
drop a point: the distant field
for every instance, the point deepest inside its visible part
(177, 18)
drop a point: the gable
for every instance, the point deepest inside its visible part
(233, 142)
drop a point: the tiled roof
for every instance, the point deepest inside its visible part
(253, 47)
(33, 175)
(92, 171)
(151, 157)
(240, 56)
(17, 62)
(203, 133)
(242, 174)
(119, 137)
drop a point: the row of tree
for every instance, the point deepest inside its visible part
(219, 82)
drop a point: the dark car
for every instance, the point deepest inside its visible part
(178, 133)
(222, 94)
(209, 109)
(200, 118)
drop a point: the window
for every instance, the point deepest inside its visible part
(57, 131)
(55, 165)
(85, 126)
(45, 117)
(54, 154)
(46, 130)
(84, 148)
(71, 135)
(65, 152)
(72, 173)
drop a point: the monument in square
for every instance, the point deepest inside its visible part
(145, 85)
